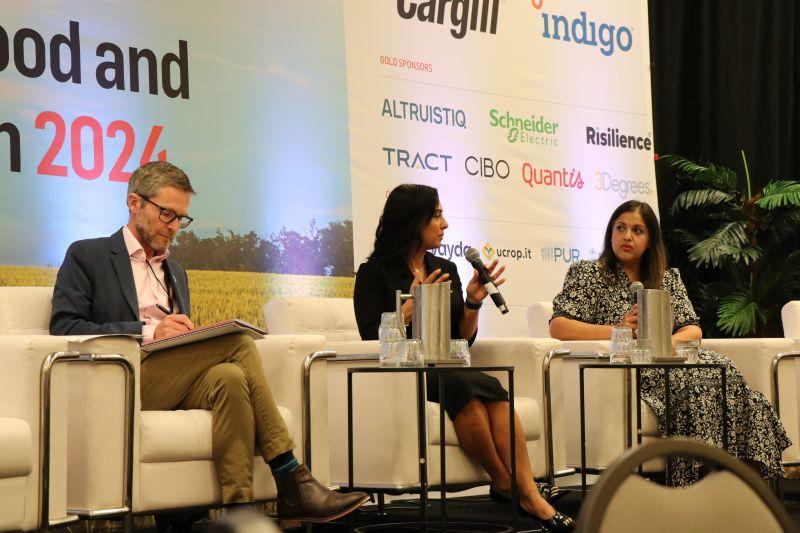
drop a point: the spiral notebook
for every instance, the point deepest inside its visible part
(206, 332)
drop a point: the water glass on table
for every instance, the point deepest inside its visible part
(621, 344)
(411, 353)
(642, 353)
(390, 336)
(688, 349)
(459, 349)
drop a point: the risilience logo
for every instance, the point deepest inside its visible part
(581, 30)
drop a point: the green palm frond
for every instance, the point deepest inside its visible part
(681, 163)
(699, 198)
(779, 193)
(724, 242)
(738, 314)
(715, 176)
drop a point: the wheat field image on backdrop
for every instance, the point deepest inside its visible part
(216, 295)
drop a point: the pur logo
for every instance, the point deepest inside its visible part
(462, 15)
(606, 37)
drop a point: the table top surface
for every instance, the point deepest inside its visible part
(677, 364)
(427, 368)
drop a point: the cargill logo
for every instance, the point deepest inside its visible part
(581, 30)
(461, 15)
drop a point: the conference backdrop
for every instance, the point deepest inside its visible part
(295, 119)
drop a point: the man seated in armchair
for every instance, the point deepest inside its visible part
(126, 283)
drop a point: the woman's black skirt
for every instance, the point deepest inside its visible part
(461, 387)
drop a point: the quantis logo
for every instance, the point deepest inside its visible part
(525, 129)
(581, 30)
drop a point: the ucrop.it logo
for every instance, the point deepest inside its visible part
(462, 15)
(517, 254)
(525, 129)
(580, 30)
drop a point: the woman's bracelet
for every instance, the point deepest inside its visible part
(470, 305)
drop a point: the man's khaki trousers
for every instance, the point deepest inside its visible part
(224, 375)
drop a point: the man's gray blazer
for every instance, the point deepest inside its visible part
(95, 292)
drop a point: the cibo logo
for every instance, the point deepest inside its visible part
(517, 254)
(425, 113)
(612, 138)
(607, 184)
(423, 161)
(530, 130)
(563, 178)
(486, 167)
(462, 15)
(580, 30)
(558, 254)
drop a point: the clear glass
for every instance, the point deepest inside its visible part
(621, 344)
(391, 351)
(688, 349)
(459, 349)
(411, 353)
(390, 328)
(642, 354)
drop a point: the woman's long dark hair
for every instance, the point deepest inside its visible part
(654, 259)
(408, 209)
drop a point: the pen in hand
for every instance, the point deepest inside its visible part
(163, 309)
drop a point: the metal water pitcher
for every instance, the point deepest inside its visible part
(430, 318)
(655, 320)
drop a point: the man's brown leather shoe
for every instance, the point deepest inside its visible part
(301, 497)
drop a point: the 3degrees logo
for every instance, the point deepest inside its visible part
(580, 30)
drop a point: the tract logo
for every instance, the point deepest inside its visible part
(583, 31)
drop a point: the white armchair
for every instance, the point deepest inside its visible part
(172, 464)
(384, 405)
(790, 316)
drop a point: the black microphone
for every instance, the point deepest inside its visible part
(474, 257)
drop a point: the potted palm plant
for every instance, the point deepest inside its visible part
(738, 250)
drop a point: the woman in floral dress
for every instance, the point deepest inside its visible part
(595, 299)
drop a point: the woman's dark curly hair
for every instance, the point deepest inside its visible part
(409, 208)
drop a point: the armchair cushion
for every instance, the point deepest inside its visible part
(16, 442)
(25, 310)
(332, 317)
(790, 316)
(183, 435)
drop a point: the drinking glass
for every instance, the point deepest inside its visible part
(390, 353)
(688, 349)
(459, 349)
(411, 353)
(621, 344)
(390, 328)
(642, 354)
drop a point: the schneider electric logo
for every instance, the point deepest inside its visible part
(583, 31)
(460, 15)
(530, 129)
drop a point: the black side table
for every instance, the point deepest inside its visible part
(668, 368)
(422, 441)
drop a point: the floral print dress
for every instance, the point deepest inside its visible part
(755, 434)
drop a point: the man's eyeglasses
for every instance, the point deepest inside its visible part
(168, 216)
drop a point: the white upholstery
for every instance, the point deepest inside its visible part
(790, 316)
(333, 318)
(385, 429)
(172, 456)
(21, 358)
(539, 315)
